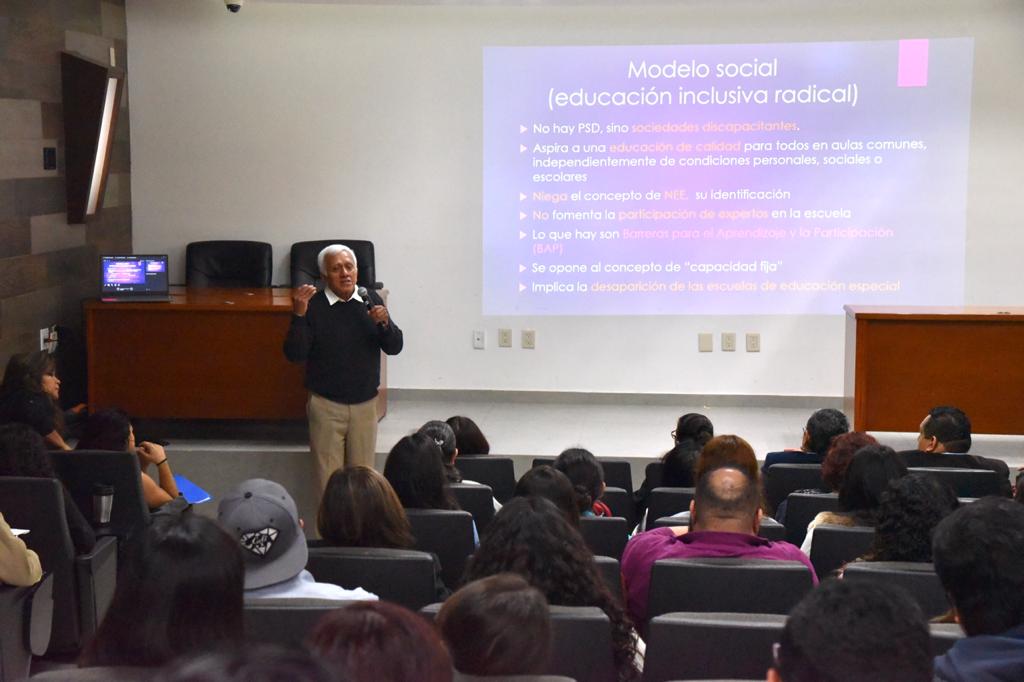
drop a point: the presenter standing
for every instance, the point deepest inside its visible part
(339, 333)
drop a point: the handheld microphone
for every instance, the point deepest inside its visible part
(365, 295)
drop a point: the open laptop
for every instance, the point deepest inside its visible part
(133, 278)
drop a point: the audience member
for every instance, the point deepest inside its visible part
(414, 469)
(262, 517)
(728, 450)
(29, 395)
(978, 557)
(111, 429)
(854, 632)
(380, 642)
(23, 453)
(19, 565)
(360, 509)
(252, 663)
(180, 593)
(692, 432)
(444, 438)
(532, 538)
(547, 482)
(725, 516)
(587, 477)
(911, 509)
(468, 437)
(945, 439)
(497, 625)
(869, 474)
(821, 428)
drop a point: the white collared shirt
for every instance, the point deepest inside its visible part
(333, 298)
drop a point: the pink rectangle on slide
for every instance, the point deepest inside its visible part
(913, 65)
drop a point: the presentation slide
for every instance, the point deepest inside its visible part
(725, 179)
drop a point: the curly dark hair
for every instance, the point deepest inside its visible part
(23, 452)
(911, 508)
(585, 473)
(837, 459)
(531, 537)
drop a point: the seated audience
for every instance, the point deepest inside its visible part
(468, 437)
(380, 642)
(263, 519)
(978, 557)
(725, 515)
(587, 478)
(532, 538)
(112, 430)
(944, 440)
(414, 469)
(911, 509)
(869, 474)
(854, 632)
(29, 395)
(180, 592)
(251, 663)
(551, 484)
(444, 438)
(692, 432)
(497, 625)
(821, 428)
(19, 565)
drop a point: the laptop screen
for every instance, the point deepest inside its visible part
(134, 275)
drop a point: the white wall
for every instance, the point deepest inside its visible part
(305, 121)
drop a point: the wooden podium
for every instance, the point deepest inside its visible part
(902, 361)
(206, 354)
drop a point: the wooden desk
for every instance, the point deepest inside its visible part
(902, 361)
(207, 354)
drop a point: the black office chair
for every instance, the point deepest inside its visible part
(26, 620)
(493, 470)
(402, 576)
(918, 579)
(581, 643)
(606, 536)
(966, 482)
(726, 585)
(699, 646)
(801, 508)
(478, 500)
(621, 503)
(305, 269)
(834, 546)
(228, 263)
(664, 502)
(446, 533)
(81, 470)
(83, 585)
(611, 574)
(617, 472)
(782, 479)
(284, 620)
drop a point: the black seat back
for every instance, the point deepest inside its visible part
(966, 482)
(782, 479)
(81, 470)
(611, 574)
(834, 546)
(284, 620)
(305, 270)
(653, 473)
(621, 503)
(664, 502)
(478, 500)
(617, 472)
(446, 533)
(228, 263)
(606, 536)
(726, 585)
(688, 646)
(402, 576)
(26, 619)
(918, 579)
(493, 470)
(801, 508)
(770, 529)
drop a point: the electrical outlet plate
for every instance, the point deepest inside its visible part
(504, 338)
(479, 339)
(728, 342)
(753, 342)
(44, 336)
(705, 342)
(529, 339)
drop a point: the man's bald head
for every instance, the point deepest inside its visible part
(726, 499)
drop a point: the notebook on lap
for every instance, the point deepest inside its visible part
(133, 278)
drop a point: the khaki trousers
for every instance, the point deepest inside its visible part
(341, 435)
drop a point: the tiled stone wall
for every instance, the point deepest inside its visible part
(48, 267)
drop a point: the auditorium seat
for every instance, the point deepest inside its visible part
(606, 536)
(653, 473)
(917, 578)
(617, 472)
(478, 500)
(621, 503)
(770, 529)
(665, 501)
(446, 533)
(26, 619)
(726, 585)
(943, 636)
(834, 546)
(611, 574)
(305, 270)
(782, 479)
(801, 508)
(81, 470)
(698, 646)
(966, 482)
(228, 263)
(402, 576)
(497, 472)
(284, 620)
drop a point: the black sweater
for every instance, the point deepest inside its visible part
(341, 347)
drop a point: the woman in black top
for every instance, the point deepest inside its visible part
(29, 396)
